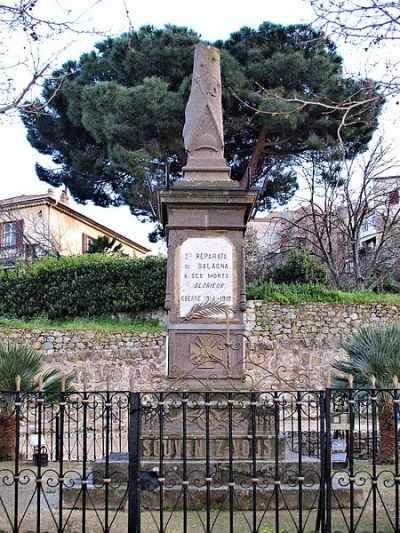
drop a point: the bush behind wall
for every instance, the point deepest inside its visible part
(83, 286)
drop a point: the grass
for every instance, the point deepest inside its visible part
(145, 325)
(293, 294)
(297, 293)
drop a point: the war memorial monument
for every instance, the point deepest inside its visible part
(205, 215)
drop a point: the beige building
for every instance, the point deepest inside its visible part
(37, 225)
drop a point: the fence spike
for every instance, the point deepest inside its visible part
(395, 382)
(373, 382)
(84, 380)
(40, 382)
(62, 383)
(108, 381)
(18, 383)
(351, 381)
(328, 380)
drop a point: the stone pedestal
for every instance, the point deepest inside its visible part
(205, 295)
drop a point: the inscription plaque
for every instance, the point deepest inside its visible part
(206, 268)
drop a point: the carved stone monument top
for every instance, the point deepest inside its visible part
(203, 131)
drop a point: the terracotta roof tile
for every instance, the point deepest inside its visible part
(22, 198)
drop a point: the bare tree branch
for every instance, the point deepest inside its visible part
(368, 24)
(29, 32)
(340, 204)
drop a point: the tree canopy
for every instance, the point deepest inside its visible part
(120, 112)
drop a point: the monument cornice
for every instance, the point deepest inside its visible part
(187, 197)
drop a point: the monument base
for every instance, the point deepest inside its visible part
(288, 490)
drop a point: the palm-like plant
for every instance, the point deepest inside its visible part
(22, 362)
(105, 245)
(373, 357)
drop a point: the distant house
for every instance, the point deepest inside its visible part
(277, 232)
(379, 229)
(36, 225)
(386, 204)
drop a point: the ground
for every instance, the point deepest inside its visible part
(173, 521)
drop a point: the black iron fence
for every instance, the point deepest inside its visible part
(258, 462)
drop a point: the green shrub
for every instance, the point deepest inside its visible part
(297, 293)
(84, 286)
(389, 285)
(300, 267)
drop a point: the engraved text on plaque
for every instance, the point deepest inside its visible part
(206, 267)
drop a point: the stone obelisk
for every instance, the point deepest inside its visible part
(205, 215)
(203, 132)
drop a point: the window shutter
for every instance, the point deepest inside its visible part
(19, 232)
(394, 197)
(84, 243)
(1, 234)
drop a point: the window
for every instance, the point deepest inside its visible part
(86, 241)
(90, 241)
(9, 234)
(365, 225)
(349, 267)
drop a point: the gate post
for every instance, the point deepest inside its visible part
(328, 458)
(320, 526)
(134, 464)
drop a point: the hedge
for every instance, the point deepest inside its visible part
(83, 286)
(298, 293)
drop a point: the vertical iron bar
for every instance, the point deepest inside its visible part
(17, 451)
(350, 452)
(207, 404)
(77, 431)
(367, 437)
(185, 481)
(39, 465)
(309, 433)
(103, 428)
(328, 456)
(60, 446)
(51, 420)
(231, 483)
(84, 458)
(321, 519)
(27, 417)
(119, 425)
(396, 457)
(57, 424)
(277, 480)
(161, 462)
(107, 480)
(254, 480)
(300, 477)
(69, 433)
(134, 464)
(94, 407)
(374, 479)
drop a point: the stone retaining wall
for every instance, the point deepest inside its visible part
(298, 343)
(303, 340)
(123, 356)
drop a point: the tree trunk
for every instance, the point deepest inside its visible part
(7, 435)
(255, 156)
(387, 437)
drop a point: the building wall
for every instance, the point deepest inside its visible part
(297, 343)
(45, 223)
(70, 230)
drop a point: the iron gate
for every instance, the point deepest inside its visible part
(209, 461)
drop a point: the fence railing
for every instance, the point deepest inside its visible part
(208, 461)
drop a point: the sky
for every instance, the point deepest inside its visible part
(212, 19)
